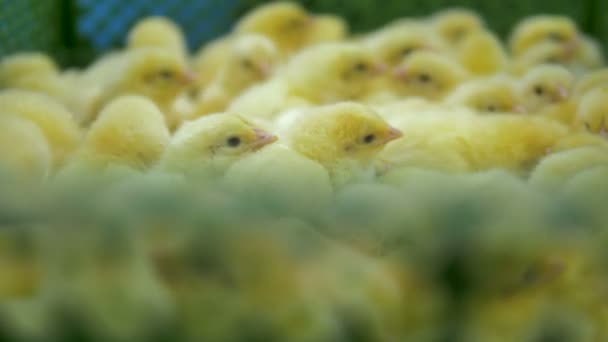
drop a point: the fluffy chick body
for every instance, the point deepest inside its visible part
(24, 150)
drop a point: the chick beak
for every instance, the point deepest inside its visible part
(188, 77)
(393, 134)
(263, 138)
(520, 109)
(265, 70)
(572, 45)
(400, 72)
(379, 69)
(562, 93)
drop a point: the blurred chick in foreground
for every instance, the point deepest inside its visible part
(345, 138)
(323, 74)
(209, 145)
(54, 120)
(130, 131)
(253, 59)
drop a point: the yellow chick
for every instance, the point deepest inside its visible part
(54, 120)
(322, 74)
(253, 60)
(455, 24)
(592, 113)
(542, 28)
(345, 138)
(392, 44)
(542, 53)
(493, 59)
(590, 81)
(328, 28)
(151, 72)
(209, 145)
(426, 74)
(556, 169)
(24, 151)
(129, 131)
(546, 90)
(286, 23)
(588, 54)
(23, 65)
(157, 32)
(492, 95)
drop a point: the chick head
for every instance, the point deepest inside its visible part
(286, 23)
(328, 28)
(394, 44)
(157, 32)
(158, 74)
(343, 131)
(488, 96)
(455, 24)
(591, 81)
(542, 53)
(545, 28)
(254, 58)
(428, 75)
(212, 143)
(15, 67)
(333, 72)
(546, 85)
(592, 113)
(130, 130)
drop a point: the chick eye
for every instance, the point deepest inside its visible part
(538, 90)
(247, 63)
(407, 51)
(166, 74)
(233, 141)
(368, 139)
(552, 60)
(556, 37)
(424, 78)
(491, 108)
(361, 67)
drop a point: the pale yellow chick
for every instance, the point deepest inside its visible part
(543, 28)
(129, 131)
(592, 113)
(54, 120)
(157, 32)
(209, 145)
(24, 151)
(482, 53)
(547, 90)
(328, 28)
(493, 95)
(393, 44)
(254, 59)
(427, 74)
(322, 74)
(590, 81)
(543, 53)
(151, 72)
(456, 24)
(345, 138)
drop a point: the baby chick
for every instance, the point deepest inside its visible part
(542, 28)
(456, 24)
(591, 81)
(23, 65)
(345, 138)
(328, 28)
(158, 32)
(426, 74)
(151, 72)
(253, 60)
(542, 53)
(209, 145)
(487, 96)
(493, 59)
(129, 131)
(546, 90)
(323, 74)
(592, 113)
(54, 120)
(24, 151)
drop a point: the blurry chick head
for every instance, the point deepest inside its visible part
(157, 74)
(590, 81)
(488, 96)
(394, 44)
(15, 67)
(453, 25)
(542, 53)
(428, 75)
(211, 144)
(328, 28)
(285, 23)
(130, 130)
(592, 113)
(546, 85)
(544, 28)
(157, 32)
(332, 72)
(344, 131)
(24, 150)
(254, 58)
